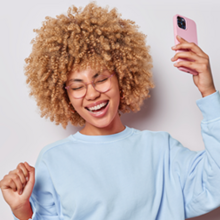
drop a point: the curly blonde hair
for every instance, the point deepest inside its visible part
(92, 37)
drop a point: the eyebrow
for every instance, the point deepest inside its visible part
(80, 80)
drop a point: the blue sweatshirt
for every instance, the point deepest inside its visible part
(131, 175)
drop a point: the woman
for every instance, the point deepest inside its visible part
(84, 68)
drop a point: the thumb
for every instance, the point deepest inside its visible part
(31, 180)
(29, 168)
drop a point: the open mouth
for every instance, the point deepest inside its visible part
(100, 109)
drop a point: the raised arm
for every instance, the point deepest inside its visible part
(198, 173)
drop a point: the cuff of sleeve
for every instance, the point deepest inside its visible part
(210, 106)
(32, 218)
(34, 212)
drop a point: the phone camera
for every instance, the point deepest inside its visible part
(181, 22)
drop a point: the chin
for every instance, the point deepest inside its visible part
(103, 122)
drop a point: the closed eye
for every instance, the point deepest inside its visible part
(77, 88)
(102, 80)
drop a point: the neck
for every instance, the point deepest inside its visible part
(114, 127)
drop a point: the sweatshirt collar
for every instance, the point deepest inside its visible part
(103, 138)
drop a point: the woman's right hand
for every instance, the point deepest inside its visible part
(22, 180)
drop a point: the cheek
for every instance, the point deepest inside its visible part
(115, 93)
(76, 104)
(115, 96)
(115, 89)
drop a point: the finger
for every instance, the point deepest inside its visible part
(29, 168)
(22, 176)
(190, 46)
(180, 39)
(18, 183)
(188, 64)
(187, 55)
(8, 182)
(31, 180)
(24, 169)
(31, 171)
(12, 185)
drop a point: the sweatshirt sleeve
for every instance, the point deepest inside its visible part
(44, 200)
(199, 171)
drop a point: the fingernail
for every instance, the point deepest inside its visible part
(179, 37)
(20, 192)
(27, 178)
(173, 47)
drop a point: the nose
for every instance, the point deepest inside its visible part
(91, 93)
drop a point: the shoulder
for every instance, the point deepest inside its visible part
(55, 147)
(154, 140)
(157, 135)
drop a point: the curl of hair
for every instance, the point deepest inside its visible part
(92, 37)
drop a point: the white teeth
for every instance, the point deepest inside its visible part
(97, 106)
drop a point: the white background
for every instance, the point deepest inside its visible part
(172, 106)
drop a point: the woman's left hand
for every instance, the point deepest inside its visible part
(199, 63)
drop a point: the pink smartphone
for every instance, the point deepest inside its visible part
(185, 28)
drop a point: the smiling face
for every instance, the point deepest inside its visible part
(99, 109)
